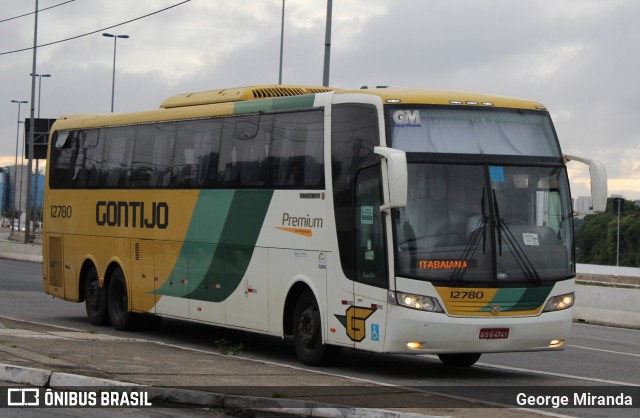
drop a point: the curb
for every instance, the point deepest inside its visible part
(22, 257)
(24, 375)
(56, 380)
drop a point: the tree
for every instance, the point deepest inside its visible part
(597, 237)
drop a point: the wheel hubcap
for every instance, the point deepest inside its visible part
(92, 294)
(306, 327)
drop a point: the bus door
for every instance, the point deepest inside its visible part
(207, 285)
(368, 318)
(56, 266)
(248, 305)
(171, 279)
(339, 291)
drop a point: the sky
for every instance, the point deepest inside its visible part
(578, 57)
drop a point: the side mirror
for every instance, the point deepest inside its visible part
(396, 176)
(598, 183)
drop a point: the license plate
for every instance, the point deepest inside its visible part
(494, 333)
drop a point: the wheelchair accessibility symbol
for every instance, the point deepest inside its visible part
(375, 332)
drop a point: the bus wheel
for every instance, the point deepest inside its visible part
(307, 333)
(459, 359)
(95, 299)
(119, 301)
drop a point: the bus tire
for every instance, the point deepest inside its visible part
(119, 314)
(95, 299)
(307, 333)
(459, 359)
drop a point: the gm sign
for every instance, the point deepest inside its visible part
(406, 118)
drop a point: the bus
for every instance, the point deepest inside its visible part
(383, 219)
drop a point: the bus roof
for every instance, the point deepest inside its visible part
(387, 94)
(240, 94)
(228, 101)
(447, 97)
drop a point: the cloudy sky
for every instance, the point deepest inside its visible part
(579, 57)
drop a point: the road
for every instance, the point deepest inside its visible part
(595, 356)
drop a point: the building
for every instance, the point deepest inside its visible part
(13, 181)
(582, 203)
(2, 192)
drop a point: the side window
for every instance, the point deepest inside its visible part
(243, 161)
(87, 169)
(371, 265)
(195, 155)
(152, 154)
(255, 152)
(64, 154)
(116, 157)
(297, 152)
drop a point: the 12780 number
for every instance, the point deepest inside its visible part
(456, 294)
(61, 211)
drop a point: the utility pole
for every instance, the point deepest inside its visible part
(27, 226)
(15, 175)
(327, 45)
(281, 44)
(619, 201)
(35, 192)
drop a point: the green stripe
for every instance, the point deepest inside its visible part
(532, 298)
(224, 229)
(280, 103)
(209, 215)
(519, 299)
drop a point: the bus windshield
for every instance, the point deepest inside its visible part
(485, 223)
(473, 131)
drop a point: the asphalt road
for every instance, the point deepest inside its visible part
(595, 356)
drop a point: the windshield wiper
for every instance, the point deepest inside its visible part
(519, 254)
(472, 245)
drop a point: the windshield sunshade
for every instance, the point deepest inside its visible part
(478, 131)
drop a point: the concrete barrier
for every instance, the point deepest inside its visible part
(608, 274)
(608, 295)
(617, 305)
(13, 250)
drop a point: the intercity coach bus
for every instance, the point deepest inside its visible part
(383, 219)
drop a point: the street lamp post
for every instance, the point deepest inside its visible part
(113, 77)
(619, 201)
(327, 45)
(35, 193)
(15, 182)
(40, 88)
(281, 44)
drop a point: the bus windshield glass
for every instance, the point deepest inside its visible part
(485, 223)
(473, 131)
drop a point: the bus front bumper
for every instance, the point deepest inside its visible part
(417, 332)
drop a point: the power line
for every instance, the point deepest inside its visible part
(41, 10)
(96, 31)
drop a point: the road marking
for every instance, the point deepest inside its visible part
(605, 351)
(567, 376)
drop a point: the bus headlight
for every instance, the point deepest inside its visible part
(419, 302)
(558, 303)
